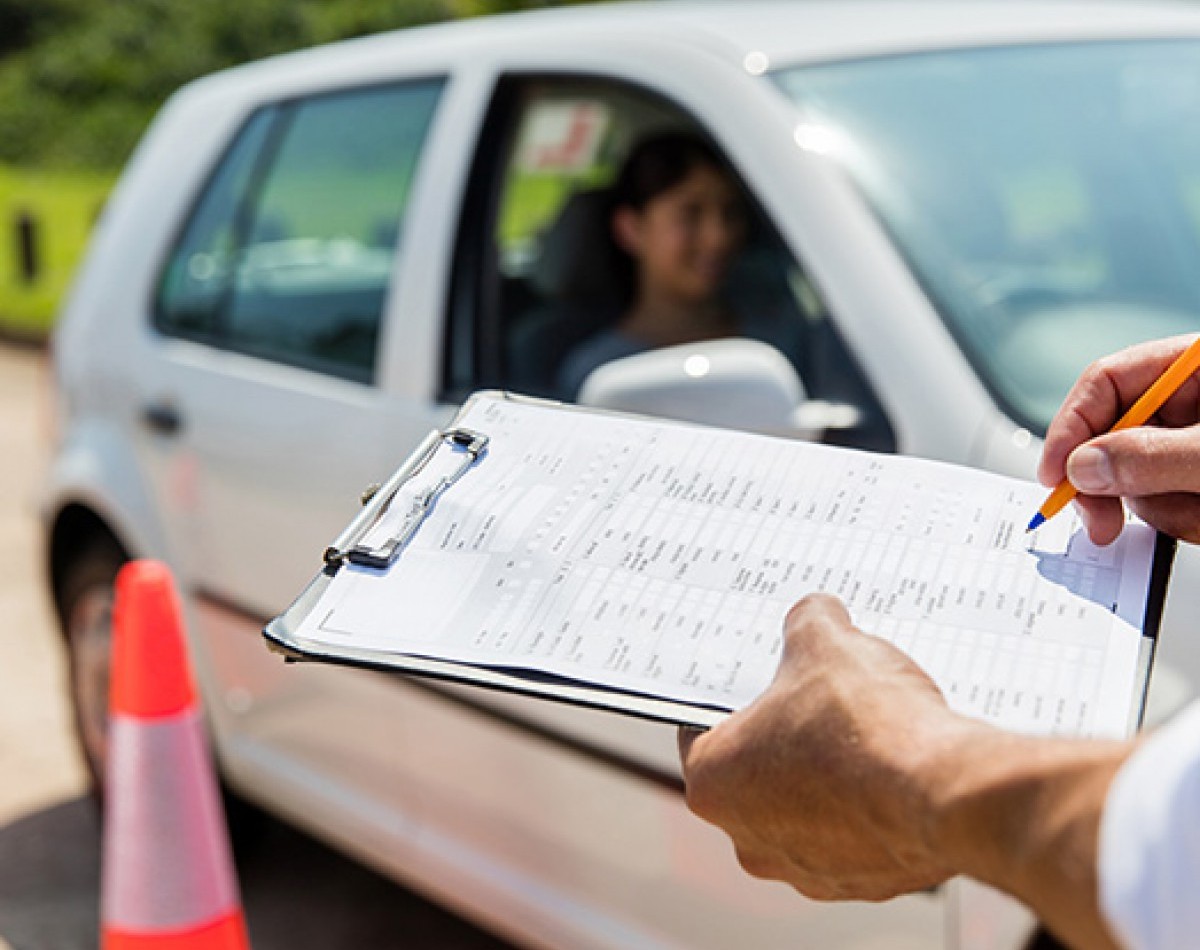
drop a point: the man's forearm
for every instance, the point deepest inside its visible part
(851, 778)
(1023, 815)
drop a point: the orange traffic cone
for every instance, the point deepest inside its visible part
(167, 875)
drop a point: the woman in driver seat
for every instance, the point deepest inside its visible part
(678, 221)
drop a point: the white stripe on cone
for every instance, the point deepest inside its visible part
(166, 860)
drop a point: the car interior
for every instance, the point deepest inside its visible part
(557, 273)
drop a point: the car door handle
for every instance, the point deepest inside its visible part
(162, 418)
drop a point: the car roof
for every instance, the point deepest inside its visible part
(798, 31)
(777, 32)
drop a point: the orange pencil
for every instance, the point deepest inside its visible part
(1150, 402)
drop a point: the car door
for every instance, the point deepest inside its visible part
(263, 417)
(595, 809)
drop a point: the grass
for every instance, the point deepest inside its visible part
(64, 205)
(531, 201)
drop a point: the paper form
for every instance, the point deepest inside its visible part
(661, 559)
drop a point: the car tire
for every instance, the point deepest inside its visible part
(84, 598)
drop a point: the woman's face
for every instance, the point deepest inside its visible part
(684, 239)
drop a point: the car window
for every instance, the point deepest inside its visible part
(554, 266)
(308, 252)
(551, 277)
(193, 284)
(1048, 197)
(564, 145)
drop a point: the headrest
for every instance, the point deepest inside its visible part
(577, 260)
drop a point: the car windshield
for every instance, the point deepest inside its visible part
(1046, 197)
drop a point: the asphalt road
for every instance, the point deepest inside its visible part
(296, 893)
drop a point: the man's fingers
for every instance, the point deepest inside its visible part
(1104, 391)
(1176, 515)
(687, 739)
(1103, 517)
(707, 758)
(765, 865)
(813, 617)
(816, 608)
(1138, 462)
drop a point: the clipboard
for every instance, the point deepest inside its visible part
(347, 548)
(470, 447)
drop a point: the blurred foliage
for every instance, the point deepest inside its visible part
(63, 205)
(80, 79)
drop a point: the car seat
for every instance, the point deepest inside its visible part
(581, 284)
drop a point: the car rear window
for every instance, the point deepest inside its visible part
(288, 254)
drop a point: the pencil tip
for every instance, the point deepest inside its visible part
(1036, 522)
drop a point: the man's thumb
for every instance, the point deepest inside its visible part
(1143, 461)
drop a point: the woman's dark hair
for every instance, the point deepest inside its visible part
(659, 163)
(653, 166)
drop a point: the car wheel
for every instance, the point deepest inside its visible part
(84, 599)
(84, 595)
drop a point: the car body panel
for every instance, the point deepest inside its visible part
(553, 825)
(93, 469)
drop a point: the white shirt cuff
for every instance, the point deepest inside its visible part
(1149, 860)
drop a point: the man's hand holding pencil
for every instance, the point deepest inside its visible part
(1154, 467)
(851, 778)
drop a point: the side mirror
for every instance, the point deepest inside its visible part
(736, 383)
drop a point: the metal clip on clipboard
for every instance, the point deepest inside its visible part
(348, 546)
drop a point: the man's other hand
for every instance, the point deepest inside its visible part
(850, 778)
(814, 782)
(1156, 468)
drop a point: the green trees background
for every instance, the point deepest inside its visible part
(80, 79)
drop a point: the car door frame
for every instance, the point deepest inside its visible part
(830, 243)
(758, 156)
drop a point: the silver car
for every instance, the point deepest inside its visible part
(311, 260)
